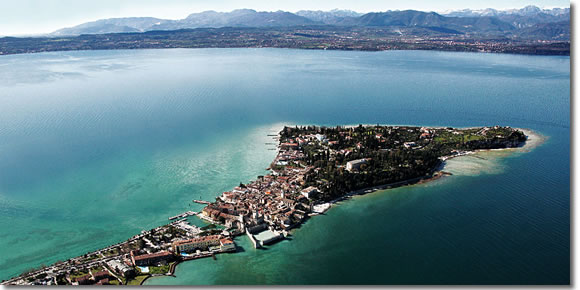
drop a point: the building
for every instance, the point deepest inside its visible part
(210, 213)
(121, 268)
(83, 280)
(201, 243)
(309, 192)
(289, 145)
(355, 164)
(105, 281)
(286, 222)
(321, 138)
(227, 244)
(266, 237)
(101, 275)
(229, 197)
(151, 259)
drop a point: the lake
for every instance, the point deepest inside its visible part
(96, 146)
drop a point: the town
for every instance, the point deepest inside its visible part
(308, 37)
(314, 167)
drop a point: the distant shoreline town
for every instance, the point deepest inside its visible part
(529, 30)
(314, 167)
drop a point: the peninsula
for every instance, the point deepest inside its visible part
(314, 167)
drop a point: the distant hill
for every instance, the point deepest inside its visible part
(207, 19)
(523, 21)
(112, 25)
(236, 18)
(329, 17)
(547, 31)
(519, 18)
(412, 18)
(529, 10)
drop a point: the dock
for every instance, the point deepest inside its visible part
(183, 215)
(197, 256)
(201, 201)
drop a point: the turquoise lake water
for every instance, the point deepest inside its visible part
(96, 146)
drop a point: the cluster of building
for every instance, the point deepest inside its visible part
(224, 244)
(276, 200)
(273, 203)
(121, 262)
(102, 277)
(281, 200)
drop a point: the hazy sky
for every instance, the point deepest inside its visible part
(19, 17)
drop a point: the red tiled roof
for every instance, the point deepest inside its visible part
(197, 240)
(226, 241)
(83, 278)
(101, 274)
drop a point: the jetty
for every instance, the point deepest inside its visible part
(183, 215)
(195, 257)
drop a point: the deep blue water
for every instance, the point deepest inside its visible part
(97, 145)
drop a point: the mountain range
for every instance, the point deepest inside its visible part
(207, 19)
(529, 10)
(519, 18)
(528, 22)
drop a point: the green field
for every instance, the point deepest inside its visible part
(137, 280)
(159, 270)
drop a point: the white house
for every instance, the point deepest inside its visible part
(355, 164)
(321, 138)
(309, 192)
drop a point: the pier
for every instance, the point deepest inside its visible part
(205, 255)
(201, 201)
(183, 215)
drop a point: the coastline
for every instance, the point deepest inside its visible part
(95, 43)
(534, 140)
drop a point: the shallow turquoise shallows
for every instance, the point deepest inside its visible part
(96, 146)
